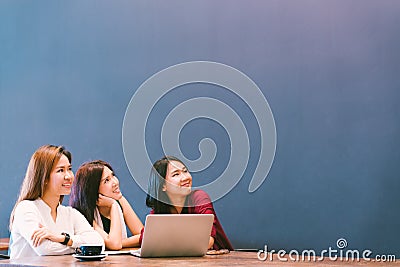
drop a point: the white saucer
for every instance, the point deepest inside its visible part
(89, 258)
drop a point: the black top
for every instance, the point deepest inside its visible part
(107, 222)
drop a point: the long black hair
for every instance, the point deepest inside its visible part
(156, 198)
(85, 190)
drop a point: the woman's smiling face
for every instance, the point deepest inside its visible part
(61, 178)
(109, 184)
(178, 180)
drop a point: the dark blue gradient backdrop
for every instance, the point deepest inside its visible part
(329, 70)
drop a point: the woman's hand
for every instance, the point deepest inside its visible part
(96, 226)
(42, 233)
(104, 201)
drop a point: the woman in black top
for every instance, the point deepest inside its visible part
(96, 194)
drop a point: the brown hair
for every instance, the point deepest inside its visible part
(38, 173)
(85, 190)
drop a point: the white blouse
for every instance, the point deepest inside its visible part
(30, 213)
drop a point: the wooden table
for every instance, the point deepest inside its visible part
(232, 259)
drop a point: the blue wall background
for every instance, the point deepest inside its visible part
(329, 70)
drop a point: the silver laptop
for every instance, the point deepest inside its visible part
(175, 235)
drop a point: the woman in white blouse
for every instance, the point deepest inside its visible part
(39, 224)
